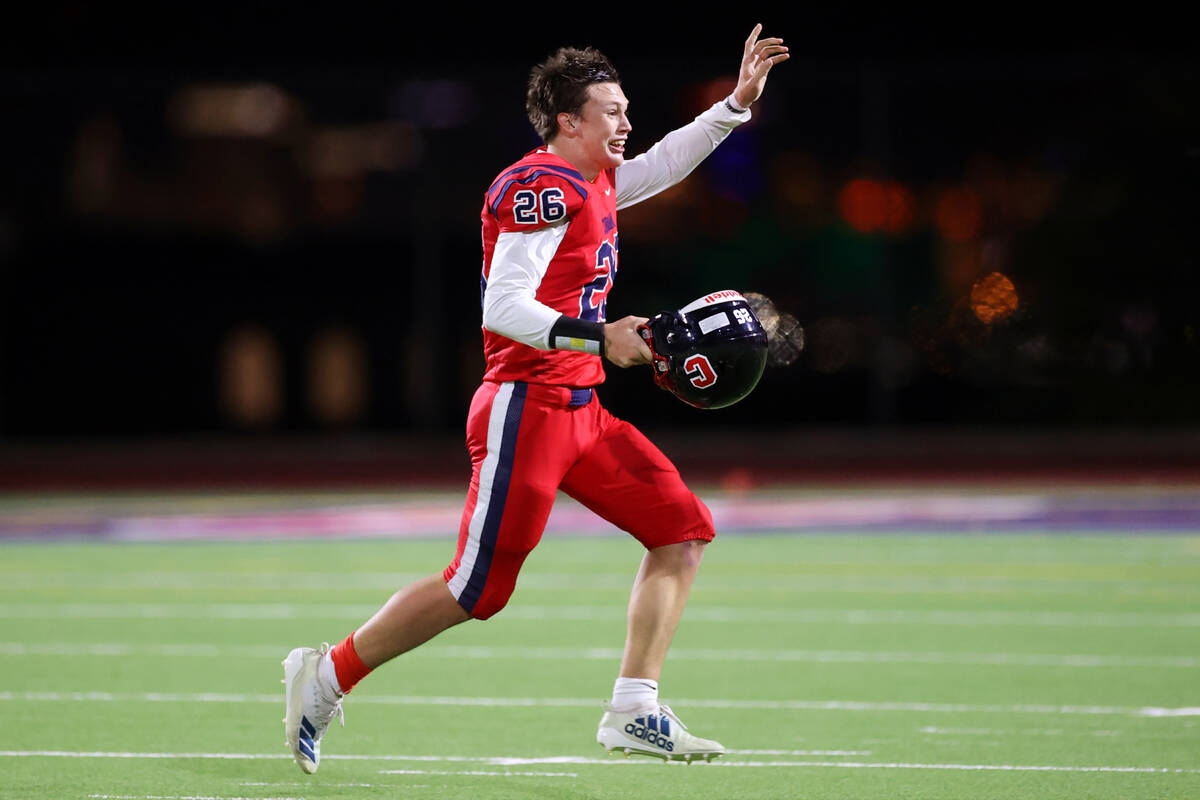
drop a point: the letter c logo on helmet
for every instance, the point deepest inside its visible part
(699, 371)
(711, 353)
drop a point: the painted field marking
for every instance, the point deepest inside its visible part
(719, 614)
(502, 761)
(960, 732)
(438, 514)
(491, 653)
(962, 767)
(933, 729)
(825, 656)
(799, 583)
(181, 797)
(573, 702)
(487, 773)
(616, 613)
(799, 752)
(1171, 712)
(299, 783)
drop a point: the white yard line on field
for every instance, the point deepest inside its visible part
(307, 783)
(822, 616)
(1026, 732)
(956, 732)
(574, 702)
(961, 767)
(584, 760)
(181, 797)
(523, 653)
(696, 613)
(618, 583)
(486, 773)
(799, 752)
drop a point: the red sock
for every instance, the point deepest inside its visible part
(349, 667)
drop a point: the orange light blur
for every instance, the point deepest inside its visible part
(900, 204)
(717, 90)
(958, 214)
(863, 204)
(869, 206)
(257, 110)
(251, 377)
(993, 298)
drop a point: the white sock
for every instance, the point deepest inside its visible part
(328, 675)
(634, 693)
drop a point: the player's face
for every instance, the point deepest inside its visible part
(603, 126)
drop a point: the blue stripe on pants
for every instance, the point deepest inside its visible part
(495, 511)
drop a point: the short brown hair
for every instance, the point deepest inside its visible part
(559, 84)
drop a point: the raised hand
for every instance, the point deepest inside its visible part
(758, 57)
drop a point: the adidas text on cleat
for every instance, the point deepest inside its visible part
(311, 705)
(655, 732)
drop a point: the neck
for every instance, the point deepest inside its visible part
(565, 153)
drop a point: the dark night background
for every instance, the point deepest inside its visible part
(242, 222)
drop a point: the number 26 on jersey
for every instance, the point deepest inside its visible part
(543, 207)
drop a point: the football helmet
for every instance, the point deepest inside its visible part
(710, 353)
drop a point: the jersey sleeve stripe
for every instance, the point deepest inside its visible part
(496, 196)
(570, 173)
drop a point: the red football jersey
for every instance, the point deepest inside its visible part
(543, 189)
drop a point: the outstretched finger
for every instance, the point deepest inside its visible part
(765, 65)
(768, 50)
(750, 41)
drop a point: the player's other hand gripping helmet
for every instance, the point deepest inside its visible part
(710, 353)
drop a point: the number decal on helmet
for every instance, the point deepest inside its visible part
(707, 365)
(699, 371)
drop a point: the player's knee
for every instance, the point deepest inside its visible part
(693, 552)
(682, 556)
(493, 599)
(689, 521)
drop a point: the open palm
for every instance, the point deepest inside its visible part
(758, 56)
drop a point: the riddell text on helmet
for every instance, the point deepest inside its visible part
(726, 294)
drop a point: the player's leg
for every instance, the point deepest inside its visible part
(512, 489)
(411, 617)
(521, 447)
(628, 481)
(317, 680)
(656, 602)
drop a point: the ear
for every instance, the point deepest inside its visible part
(566, 122)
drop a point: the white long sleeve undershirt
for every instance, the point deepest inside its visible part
(520, 260)
(674, 156)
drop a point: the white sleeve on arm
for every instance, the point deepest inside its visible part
(678, 153)
(519, 262)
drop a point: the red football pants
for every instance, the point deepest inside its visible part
(526, 442)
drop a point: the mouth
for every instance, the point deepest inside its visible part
(617, 146)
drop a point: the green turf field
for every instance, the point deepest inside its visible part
(892, 665)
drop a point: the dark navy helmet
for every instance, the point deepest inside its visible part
(710, 353)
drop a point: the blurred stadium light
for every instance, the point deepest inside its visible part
(875, 196)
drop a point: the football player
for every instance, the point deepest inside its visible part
(550, 256)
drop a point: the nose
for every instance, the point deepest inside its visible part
(624, 126)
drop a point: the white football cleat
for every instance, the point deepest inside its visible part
(311, 705)
(653, 731)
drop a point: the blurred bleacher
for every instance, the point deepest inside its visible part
(733, 461)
